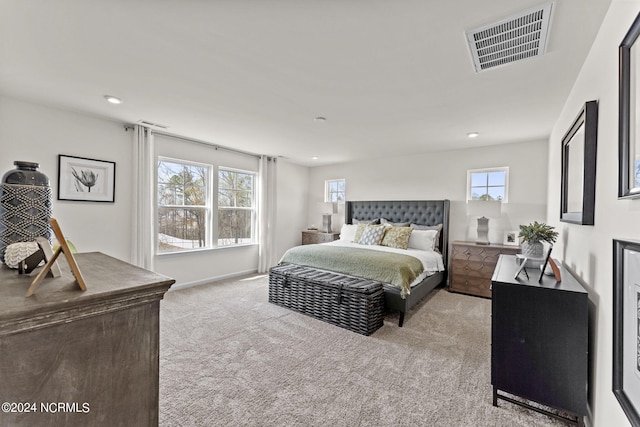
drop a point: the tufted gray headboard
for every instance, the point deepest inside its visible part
(424, 212)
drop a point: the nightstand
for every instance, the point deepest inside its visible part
(472, 266)
(310, 237)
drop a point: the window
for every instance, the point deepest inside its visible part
(236, 207)
(334, 191)
(488, 184)
(184, 209)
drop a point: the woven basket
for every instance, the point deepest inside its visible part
(350, 302)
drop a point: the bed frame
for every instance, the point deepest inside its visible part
(424, 212)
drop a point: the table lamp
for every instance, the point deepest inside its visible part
(330, 208)
(483, 210)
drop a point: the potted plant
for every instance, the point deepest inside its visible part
(533, 236)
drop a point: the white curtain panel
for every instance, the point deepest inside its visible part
(143, 191)
(267, 214)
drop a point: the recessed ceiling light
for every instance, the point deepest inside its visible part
(320, 119)
(473, 135)
(314, 158)
(113, 99)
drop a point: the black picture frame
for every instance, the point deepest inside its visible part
(626, 327)
(87, 180)
(546, 261)
(579, 150)
(628, 149)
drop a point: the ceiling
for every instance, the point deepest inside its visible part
(390, 76)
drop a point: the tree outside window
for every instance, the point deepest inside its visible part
(236, 207)
(183, 208)
(488, 184)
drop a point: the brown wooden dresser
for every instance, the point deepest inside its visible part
(73, 358)
(472, 266)
(310, 237)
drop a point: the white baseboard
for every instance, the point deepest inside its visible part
(178, 286)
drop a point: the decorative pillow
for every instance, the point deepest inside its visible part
(397, 237)
(438, 228)
(372, 235)
(395, 224)
(348, 232)
(359, 230)
(423, 239)
(365, 221)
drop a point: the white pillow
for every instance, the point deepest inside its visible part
(423, 239)
(348, 232)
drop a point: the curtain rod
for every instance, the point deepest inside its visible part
(128, 126)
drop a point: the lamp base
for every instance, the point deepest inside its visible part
(483, 231)
(326, 223)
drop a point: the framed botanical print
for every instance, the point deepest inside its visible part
(83, 179)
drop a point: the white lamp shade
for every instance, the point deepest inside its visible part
(329, 208)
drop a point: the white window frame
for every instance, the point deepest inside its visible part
(208, 207)
(504, 169)
(327, 192)
(253, 208)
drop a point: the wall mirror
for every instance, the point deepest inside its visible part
(578, 194)
(629, 108)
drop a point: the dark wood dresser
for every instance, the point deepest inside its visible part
(539, 339)
(310, 237)
(74, 358)
(472, 266)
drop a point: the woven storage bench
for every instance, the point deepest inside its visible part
(350, 302)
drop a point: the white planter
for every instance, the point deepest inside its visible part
(533, 250)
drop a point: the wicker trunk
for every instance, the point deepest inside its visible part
(352, 303)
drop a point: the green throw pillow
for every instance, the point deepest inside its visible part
(397, 237)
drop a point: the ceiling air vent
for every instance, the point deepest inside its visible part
(512, 39)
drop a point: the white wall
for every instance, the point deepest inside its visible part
(37, 133)
(443, 175)
(587, 250)
(293, 194)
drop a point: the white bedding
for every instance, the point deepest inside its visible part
(431, 260)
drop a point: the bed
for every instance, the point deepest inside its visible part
(426, 213)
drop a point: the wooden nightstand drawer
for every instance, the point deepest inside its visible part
(472, 285)
(474, 269)
(472, 266)
(313, 237)
(478, 253)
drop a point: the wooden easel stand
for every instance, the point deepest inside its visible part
(64, 247)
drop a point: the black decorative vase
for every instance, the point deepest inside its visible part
(25, 205)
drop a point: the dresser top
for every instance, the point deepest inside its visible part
(490, 246)
(507, 266)
(109, 282)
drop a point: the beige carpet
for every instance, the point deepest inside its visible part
(230, 358)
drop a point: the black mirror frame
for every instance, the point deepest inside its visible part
(588, 117)
(627, 397)
(625, 189)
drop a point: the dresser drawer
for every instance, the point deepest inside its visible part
(472, 266)
(476, 253)
(313, 237)
(471, 285)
